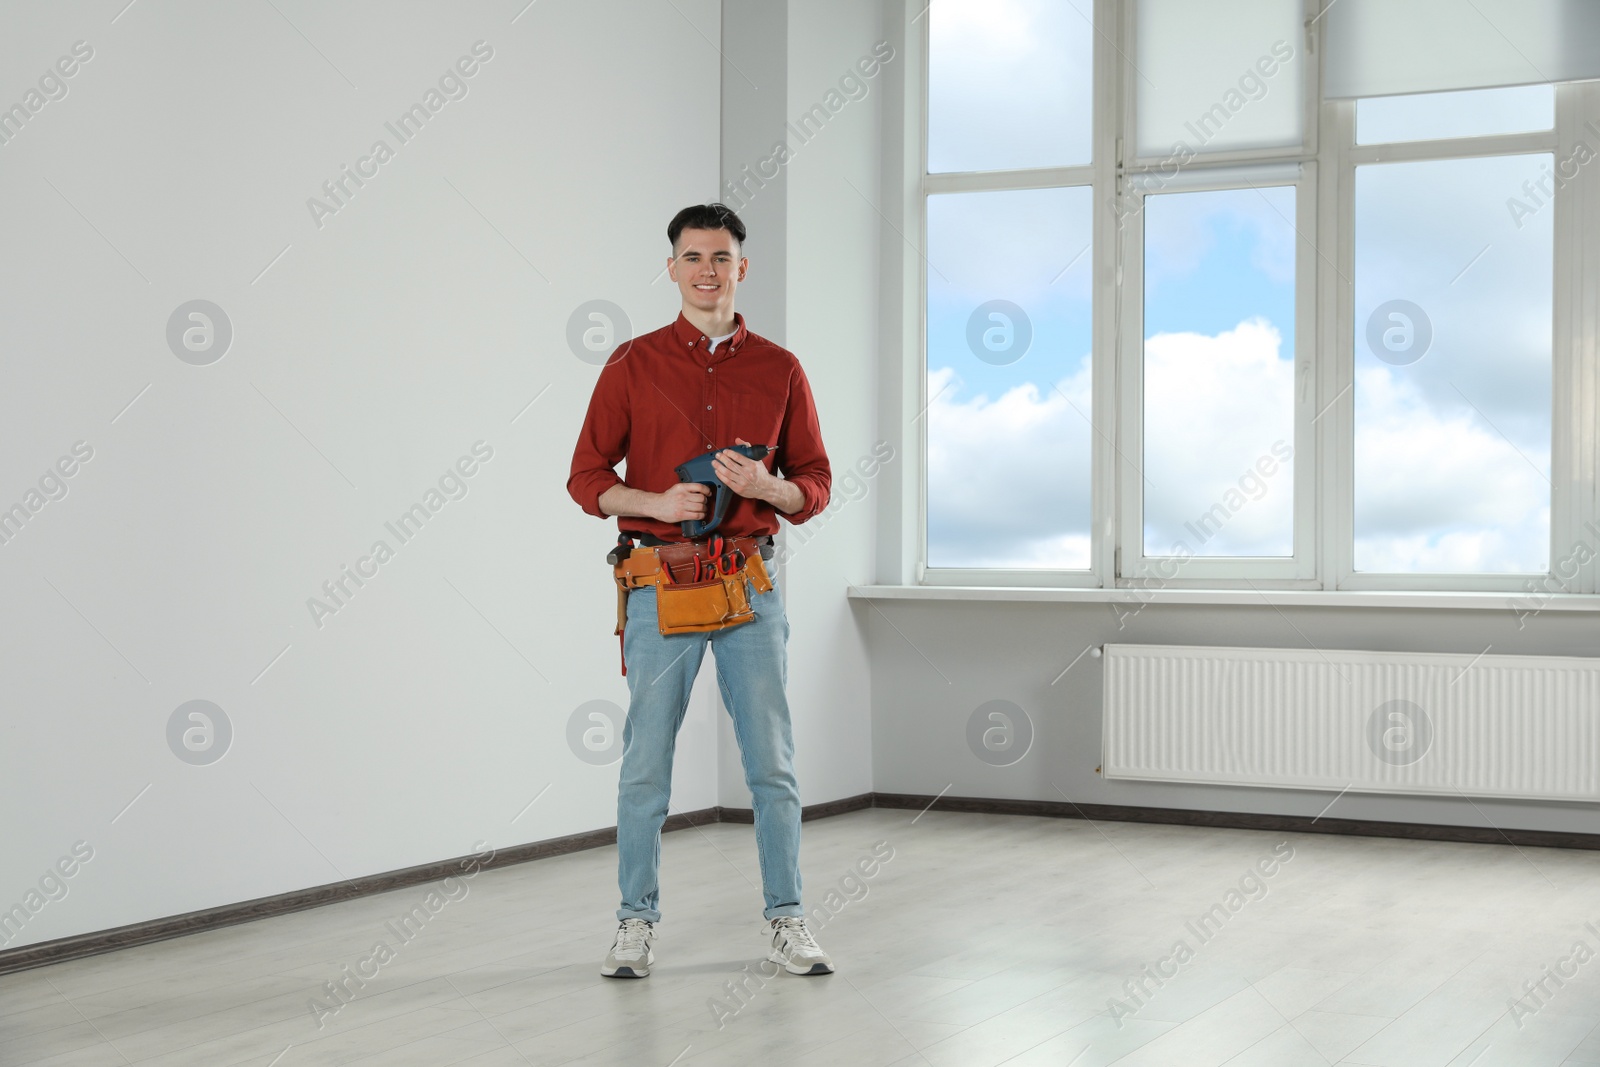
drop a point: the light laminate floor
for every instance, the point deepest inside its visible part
(984, 940)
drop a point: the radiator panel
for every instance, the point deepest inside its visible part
(1388, 722)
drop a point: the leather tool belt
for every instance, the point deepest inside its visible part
(696, 589)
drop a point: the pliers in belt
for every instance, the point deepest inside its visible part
(724, 560)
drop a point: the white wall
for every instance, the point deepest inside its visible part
(828, 251)
(420, 318)
(1017, 651)
(833, 325)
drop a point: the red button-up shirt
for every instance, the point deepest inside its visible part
(664, 398)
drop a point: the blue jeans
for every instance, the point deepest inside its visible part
(752, 670)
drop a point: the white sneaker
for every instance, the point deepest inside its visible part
(631, 955)
(795, 948)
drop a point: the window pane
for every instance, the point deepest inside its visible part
(1010, 83)
(1219, 288)
(1217, 77)
(1474, 113)
(1453, 279)
(1008, 379)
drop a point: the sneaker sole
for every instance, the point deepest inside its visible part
(815, 968)
(626, 970)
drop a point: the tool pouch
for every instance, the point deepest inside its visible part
(696, 607)
(685, 607)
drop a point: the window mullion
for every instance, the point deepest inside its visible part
(1575, 462)
(1336, 376)
(1110, 107)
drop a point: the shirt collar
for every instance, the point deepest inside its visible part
(688, 334)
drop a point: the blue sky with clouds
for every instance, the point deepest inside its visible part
(1452, 450)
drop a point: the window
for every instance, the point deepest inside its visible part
(1211, 299)
(1218, 373)
(1452, 368)
(1008, 415)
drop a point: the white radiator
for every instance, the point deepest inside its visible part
(1384, 722)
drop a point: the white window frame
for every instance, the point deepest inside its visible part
(1344, 156)
(1298, 569)
(1324, 343)
(1098, 175)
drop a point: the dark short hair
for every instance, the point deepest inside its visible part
(705, 217)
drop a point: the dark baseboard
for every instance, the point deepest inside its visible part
(69, 948)
(859, 802)
(1237, 820)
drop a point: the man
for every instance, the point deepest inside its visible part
(705, 381)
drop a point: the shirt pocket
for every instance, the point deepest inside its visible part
(754, 414)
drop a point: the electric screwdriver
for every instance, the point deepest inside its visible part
(699, 469)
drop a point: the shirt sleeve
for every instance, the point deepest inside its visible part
(801, 458)
(603, 441)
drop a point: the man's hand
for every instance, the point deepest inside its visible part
(746, 477)
(749, 478)
(686, 500)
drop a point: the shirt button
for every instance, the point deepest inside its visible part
(708, 407)
(708, 370)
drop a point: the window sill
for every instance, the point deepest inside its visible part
(1522, 603)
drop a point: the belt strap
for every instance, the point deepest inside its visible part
(626, 537)
(644, 565)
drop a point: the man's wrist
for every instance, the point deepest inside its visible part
(625, 501)
(781, 492)
(771, 491)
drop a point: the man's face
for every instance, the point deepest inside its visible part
(707, 270)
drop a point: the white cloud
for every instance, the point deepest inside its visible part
(1002, 71)
(1008, 479)
(1436, 489)
(1214, 407)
